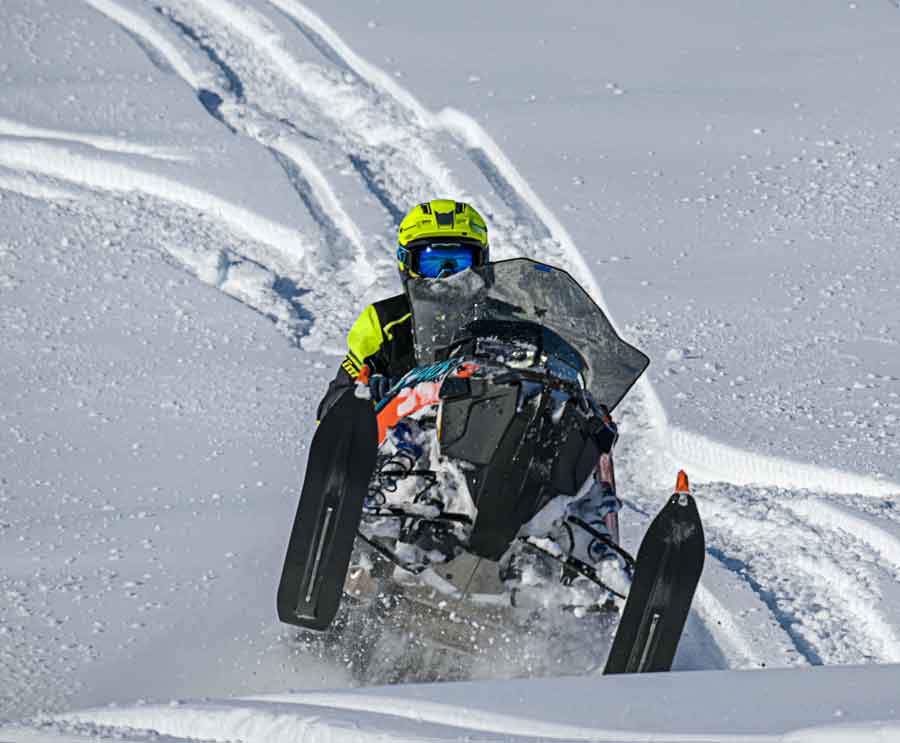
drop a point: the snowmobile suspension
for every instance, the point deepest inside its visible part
(605, 540)
(575, 564)
(395, 468)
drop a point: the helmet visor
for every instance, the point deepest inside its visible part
(439, 260)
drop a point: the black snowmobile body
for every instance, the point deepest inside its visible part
(520, 453)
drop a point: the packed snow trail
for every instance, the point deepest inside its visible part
(344, 138)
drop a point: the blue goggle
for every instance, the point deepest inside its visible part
(438, 260)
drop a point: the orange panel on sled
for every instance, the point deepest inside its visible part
(406, 402)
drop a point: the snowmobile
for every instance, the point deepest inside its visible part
(441, 481)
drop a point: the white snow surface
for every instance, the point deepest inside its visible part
(198, 196)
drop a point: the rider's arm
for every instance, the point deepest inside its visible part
(364, 341)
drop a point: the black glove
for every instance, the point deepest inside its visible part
(378, 386)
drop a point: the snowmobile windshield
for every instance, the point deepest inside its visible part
(524, 314)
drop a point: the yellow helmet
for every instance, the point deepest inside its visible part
(439, 238)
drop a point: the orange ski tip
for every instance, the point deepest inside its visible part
(681, 484)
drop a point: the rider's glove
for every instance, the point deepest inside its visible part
(379, 385)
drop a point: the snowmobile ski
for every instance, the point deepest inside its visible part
(340, 464)
(669, 563)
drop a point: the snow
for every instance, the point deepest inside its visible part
(196, 198)
(835, 704)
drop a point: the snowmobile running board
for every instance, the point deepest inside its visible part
(341, 460)
(669, 564)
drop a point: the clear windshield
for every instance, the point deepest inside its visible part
(539, 312)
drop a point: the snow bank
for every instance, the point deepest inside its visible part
(809, 705)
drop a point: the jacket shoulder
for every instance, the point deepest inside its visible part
(365, 337)
(376, 321)
(392, 309)
(395, 315)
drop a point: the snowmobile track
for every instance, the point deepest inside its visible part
(247, 270)
(799, 569)
(242, 117)
(10, 128)
(835, 516)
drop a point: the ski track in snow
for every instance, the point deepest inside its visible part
(87, 168)
(9, 128)
(818, 582)
(871, 532)
(35, 188)
(343, 112)
(221, 91)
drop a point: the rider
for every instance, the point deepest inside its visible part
(437, 239)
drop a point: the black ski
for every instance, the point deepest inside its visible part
(668, 569)
(340, 464)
